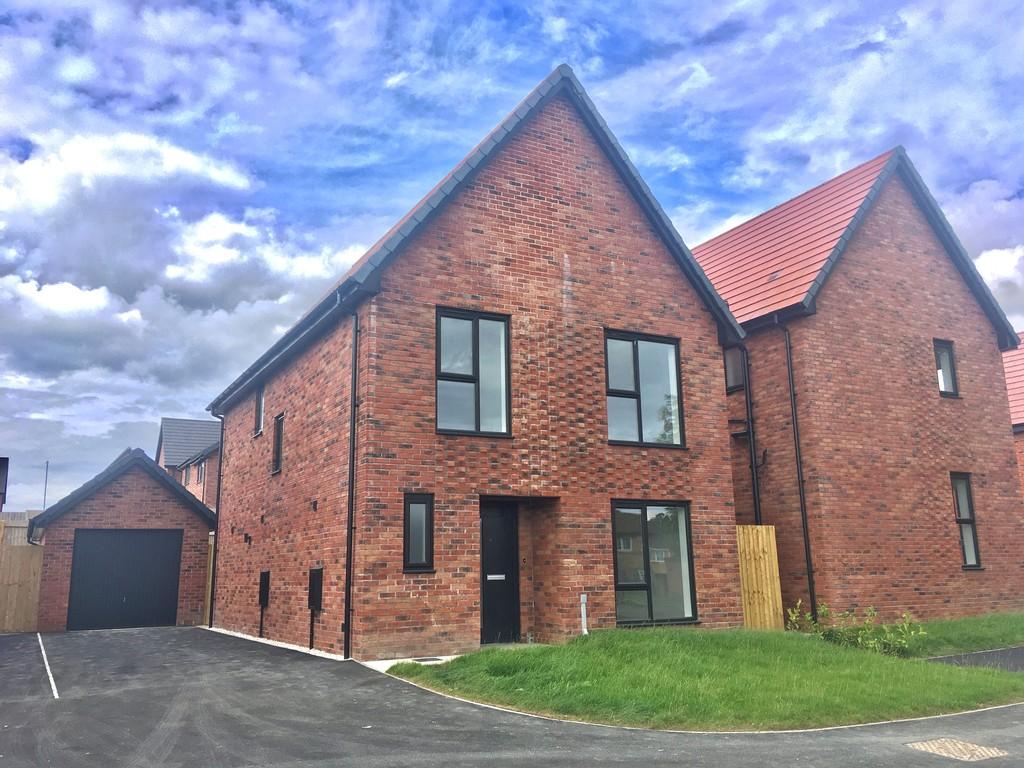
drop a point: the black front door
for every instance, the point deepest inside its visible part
(499, 561)
(124, 578)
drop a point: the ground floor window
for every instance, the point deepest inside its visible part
(654, 570)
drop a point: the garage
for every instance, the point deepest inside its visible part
(130, 548)
(124, 578)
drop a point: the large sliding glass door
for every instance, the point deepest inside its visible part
(653, 562)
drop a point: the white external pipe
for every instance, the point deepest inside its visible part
(583, 612)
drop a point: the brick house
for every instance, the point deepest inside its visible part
(180, 440)
(514, 399)
(129, 548)
(1013, 366)
(872, 402)
(199, 474)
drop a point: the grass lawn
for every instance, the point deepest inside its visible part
(715, 680)
(976, 633)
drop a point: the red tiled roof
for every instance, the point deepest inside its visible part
(770, 262)
(1013, 364)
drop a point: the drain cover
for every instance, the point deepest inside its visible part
(958, 750)
(423, 659)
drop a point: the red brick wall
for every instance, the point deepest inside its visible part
(548, 234)
(286, 535)
(134, 500)
(205, 491)
(878, 440)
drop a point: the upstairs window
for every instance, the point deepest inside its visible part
(733, 369)
(643, 389)
(419, 532)
(945, 368)
(258, 425)
(188, 474)
(201, 472)
(963, 503)
(275, 464)
(472, 373)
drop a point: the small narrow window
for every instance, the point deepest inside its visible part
(201, 472)
(419, 532)
(258, 425)
(188, 473)
(278, 443)
(472, 372)
(643, 389)
(945, 368)
(733, 369)
(963, 503)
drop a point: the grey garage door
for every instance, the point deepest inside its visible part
(124, 578)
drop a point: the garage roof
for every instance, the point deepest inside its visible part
(1013, 364)
(130, 458)
(778, 261)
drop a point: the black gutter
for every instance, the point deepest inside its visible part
(755, 484)
(216, 529)
(811, 595)
(346, 626)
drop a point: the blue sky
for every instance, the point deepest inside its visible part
(179, 181)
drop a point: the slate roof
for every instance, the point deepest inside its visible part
(1013, 364)
(131, 457)
(363, 277)
(183, 438)
(778, 261)
(199, 455)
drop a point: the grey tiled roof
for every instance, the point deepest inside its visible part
(182, 438)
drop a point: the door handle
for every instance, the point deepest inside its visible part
(495, 576)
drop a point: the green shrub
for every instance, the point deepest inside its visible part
(844, 628)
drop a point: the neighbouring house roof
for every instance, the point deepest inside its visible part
(200, 455)
(129, 459)
(183, 438)
(1013, 365)
(776, 263)
(362, 279)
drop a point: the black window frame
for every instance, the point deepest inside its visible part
(258, 412)
(946, 344)
(969, 520)
(277, 456)
(730, 388)
(646, 586)
(473, 378)
(428, 565)
(634, 337)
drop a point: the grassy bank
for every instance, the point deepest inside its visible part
(976, 633)
(718, 680)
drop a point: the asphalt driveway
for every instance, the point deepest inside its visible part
(189, 697)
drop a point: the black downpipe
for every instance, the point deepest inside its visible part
(755, 483)
(800, 477)
(216, 528)
(350, 538)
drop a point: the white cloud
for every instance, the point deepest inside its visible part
(62, 299)
(1001, 264)
(81, 161)
(555, 27)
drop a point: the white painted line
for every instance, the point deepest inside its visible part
(972, 653)
(46, 663)
(276, 643)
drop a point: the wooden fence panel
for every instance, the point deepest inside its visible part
(20, 569)
(209, 581)
(759, 577)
